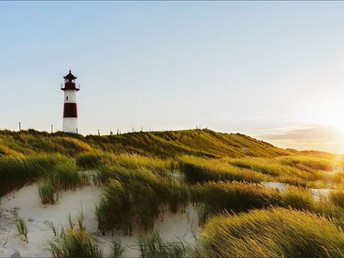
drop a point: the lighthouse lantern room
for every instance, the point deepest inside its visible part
(70, 110)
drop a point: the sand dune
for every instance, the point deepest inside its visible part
(26, 203)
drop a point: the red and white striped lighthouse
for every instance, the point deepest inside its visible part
(70, 109)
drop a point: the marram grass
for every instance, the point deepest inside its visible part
(22, 228)
(75, 242)
(202, 170)
(16, 172)
(135, 197)
(118, 248)
(272, 233)
(47, 192)
(152, 245)
(217, 197)
(64, 176)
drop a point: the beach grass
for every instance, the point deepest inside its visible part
(22, 228)
(118, 249)
(16, 172)
(152, 245)
(272, 233)
(75, 242)
(198, 169)
(217, 197)
(136, 196)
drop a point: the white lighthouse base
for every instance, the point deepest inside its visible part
(70, 125)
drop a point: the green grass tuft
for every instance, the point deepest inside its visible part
(151, 245)
(75, 242)
(22, 228)
(47, 192)
(272, 233)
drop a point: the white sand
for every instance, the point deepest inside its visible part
(323, 193)
(275, 185)
(318, 194)
(26, 203)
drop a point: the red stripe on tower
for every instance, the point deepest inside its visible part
(70, 110)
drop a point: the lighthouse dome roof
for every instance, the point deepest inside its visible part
(70, 76)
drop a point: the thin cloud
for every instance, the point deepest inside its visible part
(308, 137)
(317, 133)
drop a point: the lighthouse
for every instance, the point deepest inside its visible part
(70, 110)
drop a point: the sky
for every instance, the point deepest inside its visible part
(272, 70)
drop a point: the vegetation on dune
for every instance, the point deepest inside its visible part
(96, 160)
(144, 173)
(75, 242)
(64, 176)
(272, 233)
(47, 192)
(33, 142)
(151, 245)
(337, 198)
(134, 197)
(201, 170)
(215, 198)
(161, 144)
(22, 228)
(16, 172)
(294, 170)
(117, 248)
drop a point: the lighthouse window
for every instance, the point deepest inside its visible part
(67, 98)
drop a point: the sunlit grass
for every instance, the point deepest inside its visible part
(96, 160)
(200, 170)
(75, 242)
(64, 176)
(47, 192)
(232, 197)
(135, 197)
(272, 233)
(16, 172)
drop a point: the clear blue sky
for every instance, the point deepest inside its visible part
(260, 68)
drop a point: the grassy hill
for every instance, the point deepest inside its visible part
(224, 175)
(197, 142)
